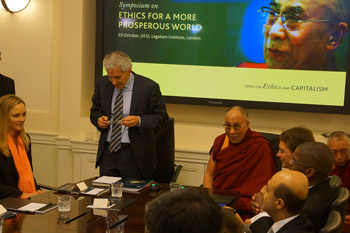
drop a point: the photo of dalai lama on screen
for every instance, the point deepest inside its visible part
(303, 34)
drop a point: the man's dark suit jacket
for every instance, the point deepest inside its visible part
(146, 102)
(9, 176)
(318, 203)
(298, 225)
(7, 85)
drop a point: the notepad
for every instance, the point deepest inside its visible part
(105, 180)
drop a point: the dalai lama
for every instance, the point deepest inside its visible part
(240, 159)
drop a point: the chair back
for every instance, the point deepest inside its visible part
(335, 182)
(274, 140)
(165, 148)
(340, 204)
(178, 168)
(333, 224)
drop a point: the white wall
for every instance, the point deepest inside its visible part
(48, 49)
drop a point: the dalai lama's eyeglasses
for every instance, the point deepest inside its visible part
(290, 21)
(236, 126)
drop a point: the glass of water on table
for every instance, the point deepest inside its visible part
(117, 189)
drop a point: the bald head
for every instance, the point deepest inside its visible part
(285, 195)
(239, 109)
(314, 159)
(295, 181)
(236, 124)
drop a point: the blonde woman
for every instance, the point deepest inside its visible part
(16, 173)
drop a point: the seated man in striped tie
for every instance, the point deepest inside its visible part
(126, 108)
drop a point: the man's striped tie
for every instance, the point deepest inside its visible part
(116, 135)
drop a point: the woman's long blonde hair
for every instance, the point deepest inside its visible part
(7, 102)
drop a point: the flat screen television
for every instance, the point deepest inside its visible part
(253, 53)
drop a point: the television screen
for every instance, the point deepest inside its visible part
(266, 54)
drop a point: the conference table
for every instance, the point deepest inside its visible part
(83, 219)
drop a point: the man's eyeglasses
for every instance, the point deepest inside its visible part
(292, 162)
(290, 21)
(236, 126)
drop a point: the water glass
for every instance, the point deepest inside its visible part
(64, 203)
(117, 189)
(62, 217)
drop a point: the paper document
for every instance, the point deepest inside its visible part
(2, 210)
(107, 179)
(94, 191)
(32, 207)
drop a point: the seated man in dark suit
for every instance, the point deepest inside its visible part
(284, 198)
(315, 160)
(7, 85)
(184, 211)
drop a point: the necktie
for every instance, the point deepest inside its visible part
(116, 135)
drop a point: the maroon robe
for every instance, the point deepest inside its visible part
(245, 167)
(344, 173)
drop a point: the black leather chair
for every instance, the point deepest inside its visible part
(165, 147)
(178, 168)
(333, 224)
(274, 140)
(335, 182)
(340, 204)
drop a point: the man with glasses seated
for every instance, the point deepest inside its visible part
(303, 34)
(315, 161)
(240, 159)
(339, 143)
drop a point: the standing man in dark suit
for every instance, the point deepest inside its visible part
(130, 154)
(284, 198)
(7, 85)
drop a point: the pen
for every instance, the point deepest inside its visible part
(71, 220)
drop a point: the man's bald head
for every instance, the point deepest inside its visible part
(239, 109)
(314, 159)
(286, 193)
